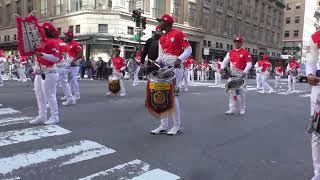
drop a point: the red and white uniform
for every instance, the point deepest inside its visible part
(119, 64)
(294, 65)
(265, 68)
(217, 75)
(240, 61)
(73, 49)
(2, 59)
(136, 73)
(51, 54)
(188, 72)
(279, 70)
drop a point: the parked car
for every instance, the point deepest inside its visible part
(302, 74)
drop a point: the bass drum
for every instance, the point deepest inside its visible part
(114, 83)
(160, 93)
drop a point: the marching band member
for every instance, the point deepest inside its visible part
(22, 68)
(188, 69)
(74, 54)
(136, 73)
(292, 69)
(258, 74)
(46, 79)
(199, 71)
(191, 72)
(240, 61)
(217, 75)
(63, 69)
(174, 49)
(313, 75)
(204, 70)
(2, 60)
(265, 66)
(279, 73)
(119, 65)
(151, 49)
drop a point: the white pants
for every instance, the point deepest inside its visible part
(204, 76)
(277, 81)
(63, 79)
(74, 81)
(176, 114)
(136, 76)
(241, 100)
(22, 75)
(315, 140)
(291, 85)
(198, 75)
(258, 80)
(186, 78)
(191, 76)
(265, 84)
(1, 80)
(46, 91)
(217, 78)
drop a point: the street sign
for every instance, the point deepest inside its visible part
(206, 51)
(139, 4)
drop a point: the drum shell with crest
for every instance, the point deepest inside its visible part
(114, 83)
(236, 80)
(160, 92)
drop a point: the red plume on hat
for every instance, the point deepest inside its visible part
(51, 28)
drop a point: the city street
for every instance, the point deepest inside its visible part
(108, 137)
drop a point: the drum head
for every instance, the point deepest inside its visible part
(131, 66)
(234, 84)
(161, 75)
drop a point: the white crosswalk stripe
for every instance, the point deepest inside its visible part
(4, 111)
(11, 121)
(15, 166)
(17, 136)
(71, 153)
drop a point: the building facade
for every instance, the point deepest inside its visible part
(298, 27)
(209, 24)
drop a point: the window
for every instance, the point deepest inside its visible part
(204, 43)
(71, 28)
(249, 50)
(77, 28)
(59, 7)
(102, 28)
(59, 30)
(76, 5)
(288, 6)
(8, 14)
(298, 6)
(297, 20)
(18, 7)
(130, 30)
(30, 6)
(288, 20)
(221, 45)
(228, 46)
(44, 6)
(231, 46)
(217, 45)
(286, 33)
(273, 54)
(14, 37)
(8, 37)
(157, 9)
(209, 43)
(296, 33)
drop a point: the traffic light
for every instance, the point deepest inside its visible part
(136, 17)
(144, 22)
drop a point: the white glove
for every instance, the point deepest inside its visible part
(123, 68)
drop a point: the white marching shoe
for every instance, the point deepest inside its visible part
(69, 102)
(242, 112)
(52, 120)
(174, 131)
(38, 120)
(230, 112)
(123, 94)
(77, 96)
(159, 130)
(108, 93)
(64, 98)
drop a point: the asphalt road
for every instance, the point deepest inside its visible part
(104, 133)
